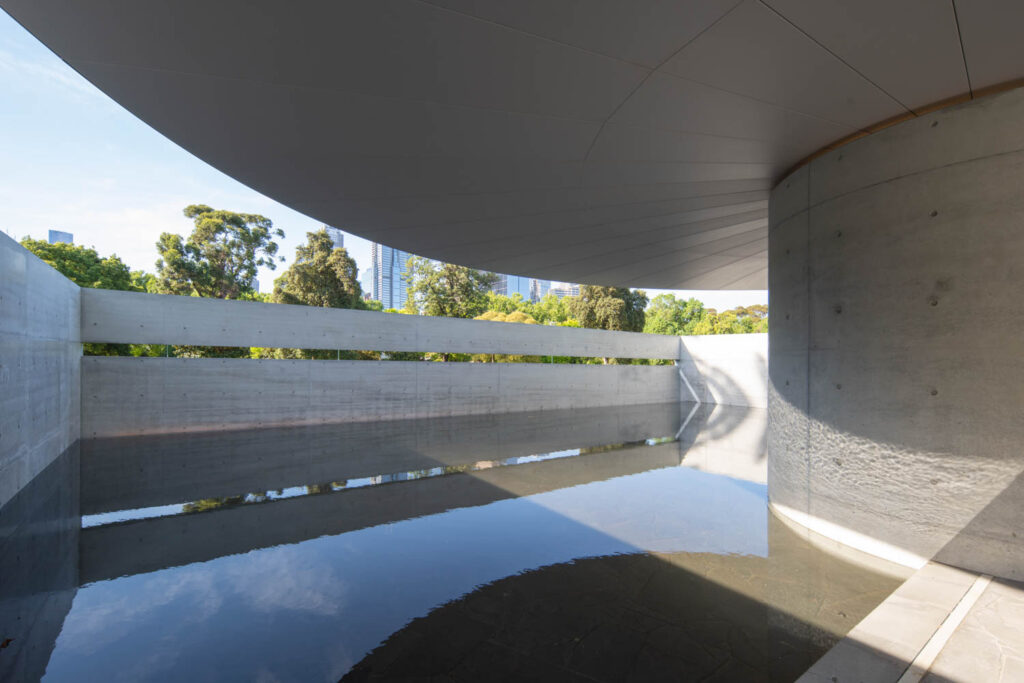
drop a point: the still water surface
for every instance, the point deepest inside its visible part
(603, 544)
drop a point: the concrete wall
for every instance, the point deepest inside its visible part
(130, 317)
(897, 340)
(127, 396)
(182, 395)
(39, 366)
(726, 369)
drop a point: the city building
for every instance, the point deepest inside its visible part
(337, 236)
(366, 283)
(389, 267)
(507, 285)
(563, 289)
(59, 236)
(539, 288)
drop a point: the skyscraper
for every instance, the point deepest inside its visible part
(561, 289)
(366, 282)
(58, 236)
(538, 288)
(389, 286)
(531, 289)
(337, 236)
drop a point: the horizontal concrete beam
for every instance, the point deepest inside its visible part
(130, 396)
(133, 317)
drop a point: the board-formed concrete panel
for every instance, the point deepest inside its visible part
(136, 318)
(896, 377)
(132, 396)
(39, 371)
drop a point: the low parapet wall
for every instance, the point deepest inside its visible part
(134, 318)
(129, 396)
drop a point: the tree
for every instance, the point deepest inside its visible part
(444, 289)
(321, 275)
(609, 308)
(513, 317)
(83, 266)
(552, 309)
(668, 315)
(86, 268)
(220, 257)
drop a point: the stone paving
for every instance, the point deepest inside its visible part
(943, 625)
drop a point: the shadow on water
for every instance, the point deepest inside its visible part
(607, 559)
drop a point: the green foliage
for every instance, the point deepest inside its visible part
(513, 317)
(321, 275)
(609, 308)
(312, 354)
(668, 315)
(145, 282)
(549, 310)
(220, 257)
(553, 309)
(444, 289)
(83, 266)
(86, 268)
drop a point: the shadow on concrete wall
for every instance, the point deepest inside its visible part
(951, 497)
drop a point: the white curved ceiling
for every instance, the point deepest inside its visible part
(602, 141)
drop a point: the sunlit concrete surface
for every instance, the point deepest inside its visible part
(180, 394)
(943, 625)
(895, 409)
(614, 143)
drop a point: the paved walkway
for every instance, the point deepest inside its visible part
(943, 625)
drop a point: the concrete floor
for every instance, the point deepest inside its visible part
(944, 625)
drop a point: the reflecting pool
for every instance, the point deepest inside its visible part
(602, 544)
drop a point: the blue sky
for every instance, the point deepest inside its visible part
(74, 160)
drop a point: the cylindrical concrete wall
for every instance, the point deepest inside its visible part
(896, 358)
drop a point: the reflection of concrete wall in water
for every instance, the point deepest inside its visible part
(896, 372)
(150, 544)
(132, 472)
(39, 533)
(731, 442)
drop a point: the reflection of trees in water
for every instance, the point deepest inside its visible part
(255, 497)
(613, 446)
